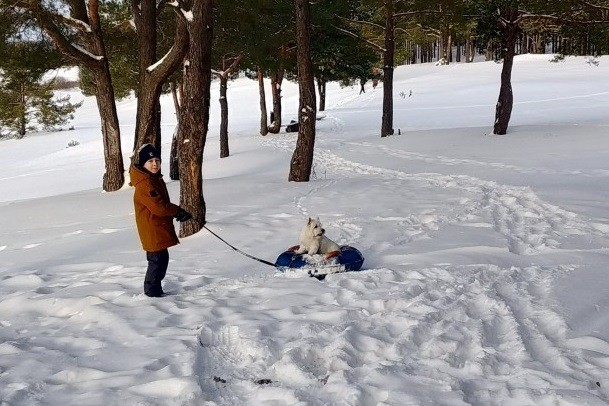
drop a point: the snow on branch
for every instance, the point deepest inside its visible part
(188, 15)
(160, 61)
(89, 54)
(179, 7)
(74, 23)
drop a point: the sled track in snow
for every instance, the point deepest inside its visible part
(443, 160)
(443, 335)
(452, 335)
(528, 224)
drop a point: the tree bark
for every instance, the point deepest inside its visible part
(302, 159)
(469, 50)
(224, 152)
(22, 114)
(488, 52)
(194, 119)
(147, 128)
(388, 58)
(276, 81)
(503, 109)
(321, 89)
(174, 166)
(227, 71)
(264, 130)
(114, 177)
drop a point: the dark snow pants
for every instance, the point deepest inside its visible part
(157, 268)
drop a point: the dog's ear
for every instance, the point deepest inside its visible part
(309, 222)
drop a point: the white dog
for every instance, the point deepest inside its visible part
(313, 241)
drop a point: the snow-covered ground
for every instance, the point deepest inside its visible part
(486, 272)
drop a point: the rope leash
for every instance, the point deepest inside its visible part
(241, 252)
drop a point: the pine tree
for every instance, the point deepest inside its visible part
(74, 28)
(27, 102)
(302, 158)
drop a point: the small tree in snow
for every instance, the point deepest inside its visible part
(27, 102)
(27, 105)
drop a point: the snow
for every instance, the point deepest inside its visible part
(486, 256)
(89, 54)
(159, 62)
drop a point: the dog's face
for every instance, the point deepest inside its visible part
(314, 228)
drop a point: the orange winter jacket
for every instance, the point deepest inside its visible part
(154, 211)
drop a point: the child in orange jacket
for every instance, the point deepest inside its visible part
(154, 214)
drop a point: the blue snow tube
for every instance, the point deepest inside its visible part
(349, 257)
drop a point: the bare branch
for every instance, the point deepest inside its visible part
(47, 21)
(172, 59)
(233, 66)
(362, 22)
(370, 43)
(78, 25)
(223, 74)
(411, 13)
(597, 6)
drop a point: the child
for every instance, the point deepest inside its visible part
(154, 215)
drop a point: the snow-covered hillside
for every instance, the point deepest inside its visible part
(485, 279)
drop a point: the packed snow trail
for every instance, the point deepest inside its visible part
(448, 334)
(528, 224)
(443, 335)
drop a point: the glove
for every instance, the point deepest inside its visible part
(183, 215)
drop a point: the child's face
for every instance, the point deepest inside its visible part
(153, 165)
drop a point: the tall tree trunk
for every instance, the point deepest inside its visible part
(174, 166)
(194, 119)
(503, 110)
(388, 57)
(174, 161)
(88, 48)
(540, 45)
(276, 81)
(224, 152)
(488, 52)
(302, 159)
(22, 114)
(114, 176)
(469, 50)
(146, 129)
(264, 130)
(321, 89)
(154, 73)
(224, 75)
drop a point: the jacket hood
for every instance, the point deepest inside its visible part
(138, 174)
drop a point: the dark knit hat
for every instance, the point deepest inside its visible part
(146, 152)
